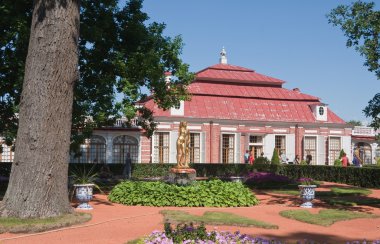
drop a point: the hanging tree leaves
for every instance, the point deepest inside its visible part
(119, 53)
(360, 23)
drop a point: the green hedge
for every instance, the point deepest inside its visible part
(364, 177)
(213, 193)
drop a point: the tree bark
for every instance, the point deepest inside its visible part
(38, 180)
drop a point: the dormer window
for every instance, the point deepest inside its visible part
(321, 111)
(178, 109)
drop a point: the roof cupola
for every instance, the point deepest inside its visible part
(223, 56)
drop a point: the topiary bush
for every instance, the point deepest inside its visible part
(275, 157)
(213, 193)
(262, 160)
(337, 162)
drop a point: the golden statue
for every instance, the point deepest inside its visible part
(183, 142)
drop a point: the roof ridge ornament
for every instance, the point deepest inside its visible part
(223, 56)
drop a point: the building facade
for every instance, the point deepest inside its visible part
(234, 109)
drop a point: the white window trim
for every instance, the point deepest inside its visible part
(316, 147)
(286, 149)
(328, 153)
(221, 146)
(200, 143)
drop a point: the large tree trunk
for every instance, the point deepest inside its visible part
(38, 181)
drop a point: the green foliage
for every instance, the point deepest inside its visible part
(324, 217)
(354, 123)
(373, 110)
(201, 194)
(358, 176)
(119, 53)
(360, 23)
(337, 162)
(341, 153)
(352, 191)
(32, 225)
(275, 157)
(184, 232)
(214, 218)
(262, 160)
(363, 177)
(82, 175)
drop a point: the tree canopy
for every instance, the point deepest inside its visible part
(360, 23)
(354, 122)
(119, 53)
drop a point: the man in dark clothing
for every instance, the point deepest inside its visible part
(128, 167)
(309, 158)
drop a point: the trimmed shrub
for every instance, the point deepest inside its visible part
(337, 162)
(341, 153)
(358, 176)
(262, 160)
(213, 193)
(275, 157)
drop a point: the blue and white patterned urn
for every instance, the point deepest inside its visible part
(83, 193)
(307, 194)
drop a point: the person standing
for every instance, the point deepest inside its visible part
(246, 157)
(297, 159)
(252, 157)
(283, 158)
(344, 160)
(309, 158)
(127, 167)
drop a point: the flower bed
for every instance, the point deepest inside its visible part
(185, 234)
(267, 180)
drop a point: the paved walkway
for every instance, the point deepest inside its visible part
(115, 223)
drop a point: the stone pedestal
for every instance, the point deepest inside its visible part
(182, 176)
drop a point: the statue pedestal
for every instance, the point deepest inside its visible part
(182, 176)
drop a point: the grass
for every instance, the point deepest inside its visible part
(16, 225)
(352, 191)
(335, 191)
(214, 218)
(287, 192)
(345, 201)
(324, 217)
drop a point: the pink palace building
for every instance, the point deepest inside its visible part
(234, 109)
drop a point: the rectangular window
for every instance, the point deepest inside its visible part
(334, 149)
(228, 148)
(161, 147)
(256, 139)
(194, 147)
(279, 144)
(310, 148)
(256, 144)
(7, 154)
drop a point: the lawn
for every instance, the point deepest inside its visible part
(324, 217)
(16, 225)
(214, 218)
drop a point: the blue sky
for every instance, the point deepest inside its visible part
(289, 40)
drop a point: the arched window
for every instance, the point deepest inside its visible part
(122, 145)
(92, 151)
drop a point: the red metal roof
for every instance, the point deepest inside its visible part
(235, 93)
(223, 89)
(211, 107)
(236, 74)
